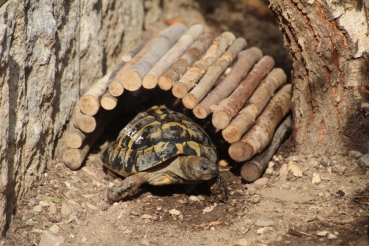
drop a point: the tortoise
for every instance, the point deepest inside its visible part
(162, 147)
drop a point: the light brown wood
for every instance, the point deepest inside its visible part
(116, 87)
(213, 73)
(245, 61)
(229, 107)
(83, 122)
(159, 45)
(90, 102)
(198, 69)
(151, 78)
(73, 137)
(253, 169)
(108, 102)
(196, 50)
(261, 134)
(259, 99)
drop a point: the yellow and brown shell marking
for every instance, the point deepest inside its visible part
(154, 136)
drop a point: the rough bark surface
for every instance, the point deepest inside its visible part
(51, 52)
(328, 41)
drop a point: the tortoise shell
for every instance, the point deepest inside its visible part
(154, 136)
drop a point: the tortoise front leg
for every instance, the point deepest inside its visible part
(128, 187)
(218, 189)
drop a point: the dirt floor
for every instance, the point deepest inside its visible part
(304, 200)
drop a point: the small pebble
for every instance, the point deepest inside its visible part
(202, 198)
(194, 199)
(146, 216)
(37, 208)
(331, 236)
(269, 171)
(316, 178)
(54, 229)
(44, 203)
(262, 230)
(241, 242)
(264, 223)
(295, 169)
(322, 233)
(52, 209)
(144, 241)
(223, 163)
(261, 183)
(48, 238)
(174, 212)
(65, 208)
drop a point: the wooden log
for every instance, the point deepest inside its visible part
(151, 78)
(253, 169)
(89, 103)
(261, 134)
(196, 50)
(73, 137)
(190, 100)
(245, 61)
(115, 85)
(108, 101)
(259, 99)
(159, 45)
(229, 107)
(81, 121)
(198, 69)
(73, 158)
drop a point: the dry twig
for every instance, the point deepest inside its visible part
(197, 70)
(245, 61)
(253, 169)
(260, 135)
(159, 45)
(246, 117)
(196, 50)
(229, 107)
(214, 72)
(151, 78)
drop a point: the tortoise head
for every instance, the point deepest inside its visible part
(198, 168)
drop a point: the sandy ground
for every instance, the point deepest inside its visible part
(304, 200)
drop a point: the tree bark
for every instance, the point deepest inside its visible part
(51, 52)
(328, 41)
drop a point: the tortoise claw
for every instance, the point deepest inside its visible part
(218, 188)
(128, 187)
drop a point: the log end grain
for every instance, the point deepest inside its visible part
(165, 83)
(89, 105)
(108, 102)
(240, 151)
(116, 89)
(200, 112)
(250, 172)
(74, 138)
(179, 90)
(86, 123)
(131, 80)
(220, 119)
(232, 133)
(189, 101)
(72, 158)
(149, 81)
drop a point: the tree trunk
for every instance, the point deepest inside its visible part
(51, 52)
(327, 41)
